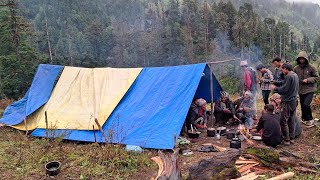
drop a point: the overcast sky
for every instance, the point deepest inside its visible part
(314, 1)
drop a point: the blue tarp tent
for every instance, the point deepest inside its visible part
(37, 95)
(153, 110)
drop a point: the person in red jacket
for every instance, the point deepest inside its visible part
(250, 82)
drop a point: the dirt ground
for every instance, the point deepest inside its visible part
(22, 158)
(307, 146)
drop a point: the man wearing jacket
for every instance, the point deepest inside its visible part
(264, 82)
(278, 75)
(197, 116)
(270, 126)
(308, 77)
(224, 109)
(289, 92)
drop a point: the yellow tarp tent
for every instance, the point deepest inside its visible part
(80, 96)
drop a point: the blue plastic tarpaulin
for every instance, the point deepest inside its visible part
(152, 111)
(37, 95)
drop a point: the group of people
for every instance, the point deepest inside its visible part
(279, 121)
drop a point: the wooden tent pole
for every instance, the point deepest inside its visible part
(211, 94)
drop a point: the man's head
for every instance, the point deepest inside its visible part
(243, 64)
(302, 58)
(275, 99)
(286, 68)
(276, 62)
(261, 68)
(201, 103)
(268, 108)
(248, 95)
(224, 96)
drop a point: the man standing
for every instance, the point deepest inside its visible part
(249, 82)
(289, 92)
(308, 77)
(249, 78)
(278, 76)
(265, 81)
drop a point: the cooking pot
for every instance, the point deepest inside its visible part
(193, 134)
(235, 143)
(53, 168)
(231, 133)
(211, 132)
(222, 130)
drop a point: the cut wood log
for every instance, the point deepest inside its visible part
(167, 164)
(158, 160)
(246, 162)
(304, 170)
(246, 172)
(283, 176)
(241, 158)
(246, 167)
(221, 149)
(220, 166)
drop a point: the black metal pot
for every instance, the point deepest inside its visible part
(231, 133)
(235, 143)
(222, 130)
(194, 134)
(211, 132)
(53, 168)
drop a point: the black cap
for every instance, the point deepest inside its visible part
(276, 59)
(260, 66)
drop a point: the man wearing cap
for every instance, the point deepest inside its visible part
(197, 115)
(265, 81)
(224, 109)
(308, 77)
(289, 92)
(249, 78)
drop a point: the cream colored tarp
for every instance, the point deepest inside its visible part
(80, 96)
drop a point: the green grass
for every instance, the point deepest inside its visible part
(25, 159)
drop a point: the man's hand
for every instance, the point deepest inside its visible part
(272, 86)
(305, 81)
(205, 126)
(236, 118)
(226, 111)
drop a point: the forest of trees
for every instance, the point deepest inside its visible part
(143, 33)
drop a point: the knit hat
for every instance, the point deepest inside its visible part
(224, 94)
(200, 102)
(244, 63)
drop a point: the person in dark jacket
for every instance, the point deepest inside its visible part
(289, 92)
(270, 126)
(197, 115)
(275, 100)
(278, 76)
(224, 109)
(308, 77)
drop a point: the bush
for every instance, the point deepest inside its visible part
(230, 84)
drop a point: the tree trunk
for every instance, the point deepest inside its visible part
(220, 166)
